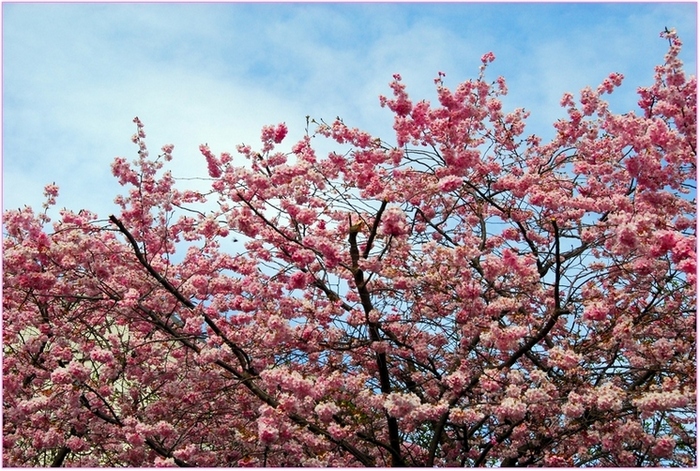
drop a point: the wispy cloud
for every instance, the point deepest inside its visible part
(75, 75)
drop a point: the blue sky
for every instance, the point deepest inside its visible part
(75, 75)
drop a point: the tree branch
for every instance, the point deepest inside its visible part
(246, 376)
(382, 365)
(238, 351)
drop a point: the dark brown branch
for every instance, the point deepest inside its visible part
(166, 454)
(60, 457)
(373, 231)
(365, 459)
(112, 420)
(523, 350)
(165, 283)
(558, 311)
(240, 354)
(246, 376)
(382, 365)
(58, 461)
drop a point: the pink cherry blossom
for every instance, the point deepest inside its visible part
(462, 293)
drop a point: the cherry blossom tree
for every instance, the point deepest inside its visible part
(463, 294)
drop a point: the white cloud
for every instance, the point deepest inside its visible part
(76, 75)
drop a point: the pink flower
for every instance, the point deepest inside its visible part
(101, 355)
(61, 376)
(200, 283)
(400, 105)
(338, 432)
(652, 402)
(465, 416)
(131, 298)
(394, 222)
(164, 429)
(134, 439)
(459, 280)
(399, 405)
(168, 152)
(280, 133)
(609, 397)
(575, 406)
(212, 164)
(609, 84)
(553, 461)
(488, 57)
(326, 410)
(297, 281)
(456, 381)
(449, 183)
(512, 409)
(595, 312)
(664, 447)
(160, 462)
(267, 432)
(77, 444)
(565, 359)
(51, 192)
(209, 228)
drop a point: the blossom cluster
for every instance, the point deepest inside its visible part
(461, 294)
